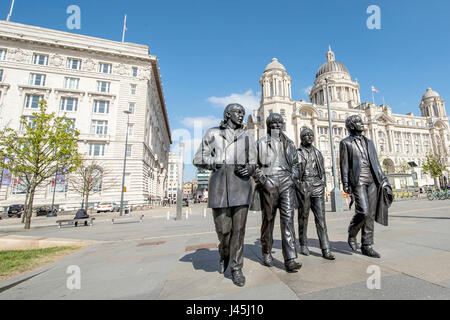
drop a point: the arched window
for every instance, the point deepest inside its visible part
(436, 112)
(271, 89)
(320, 114)
(333, 115)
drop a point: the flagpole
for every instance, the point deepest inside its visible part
(124, 28)
(10, 11)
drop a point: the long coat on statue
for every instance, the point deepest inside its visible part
(229, 148)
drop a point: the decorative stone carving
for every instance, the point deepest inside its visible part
(56, 60)
(19, 55)
(121, 69)
(89, 65)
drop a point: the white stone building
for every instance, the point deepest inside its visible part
(174, 172)
(398, 138)
(93, 81)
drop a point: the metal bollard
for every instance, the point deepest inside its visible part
(204, 213)
(168, 215)
(187, 214)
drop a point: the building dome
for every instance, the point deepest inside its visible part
(430, 94)
(274, 64)
(331, 65)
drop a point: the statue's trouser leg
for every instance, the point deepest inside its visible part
(318, 208)
(303, 215)
(368, 227)
(269, 209)
(223, 222)
(287, 207)
(239, 216)
(365, 206)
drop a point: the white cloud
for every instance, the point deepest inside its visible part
(248, 100)
(203, 122)
(307, 90)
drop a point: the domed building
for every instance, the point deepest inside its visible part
(399, 139)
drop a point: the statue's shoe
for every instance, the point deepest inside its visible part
(368, 251)
(292, 265)
(238, 278)
(304, 250)
(352, 243)
(267, 260)
(326, 254)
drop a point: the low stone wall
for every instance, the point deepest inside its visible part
(13, 242)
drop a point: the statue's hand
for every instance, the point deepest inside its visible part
(347, 189)
(242, 171)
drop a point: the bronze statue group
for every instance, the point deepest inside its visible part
(273, 174)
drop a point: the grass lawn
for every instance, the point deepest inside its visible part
(13, 262)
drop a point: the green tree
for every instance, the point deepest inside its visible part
(434, 167)
(89, 179)
(403, 167)
(39, 150)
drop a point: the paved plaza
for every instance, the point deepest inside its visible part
(168, 259)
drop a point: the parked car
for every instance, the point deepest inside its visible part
(46, 211)
(205, 200)
(107, 206)
(16, 210)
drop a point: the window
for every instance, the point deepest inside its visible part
(40, 59)
(71, 124)
(71, 83)
(37, 79)
(96, 149)
(105, 68)
(133, 89)
(128, 150)
(32, 101)
(101, 106)
(283, 113)
(29, 120)
(135, 71)
(322, 130)
(320, 114)
(337, 131)
(1, 75)
(130, 129)
(333, 115)
(131, 107)
(2, 54)
(69, 104)
(103, 86)
(74, 64)
(99, 127)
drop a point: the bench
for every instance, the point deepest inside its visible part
(141, 219)
(87, 221)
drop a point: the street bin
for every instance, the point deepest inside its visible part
(126, 210)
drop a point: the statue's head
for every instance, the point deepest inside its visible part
(235, 113)
(307, 137)
(274, 123)
(354, 124)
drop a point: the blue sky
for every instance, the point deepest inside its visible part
(209, 50)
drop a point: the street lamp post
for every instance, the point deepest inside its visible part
(124, 161)
(336, 193)
(180, 183)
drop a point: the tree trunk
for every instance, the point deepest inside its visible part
(29, 210)
(25, 210)
(87, 200)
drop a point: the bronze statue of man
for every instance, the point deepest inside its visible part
(229, 152)
(363, 178)
(276, 173)
(311, 192)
